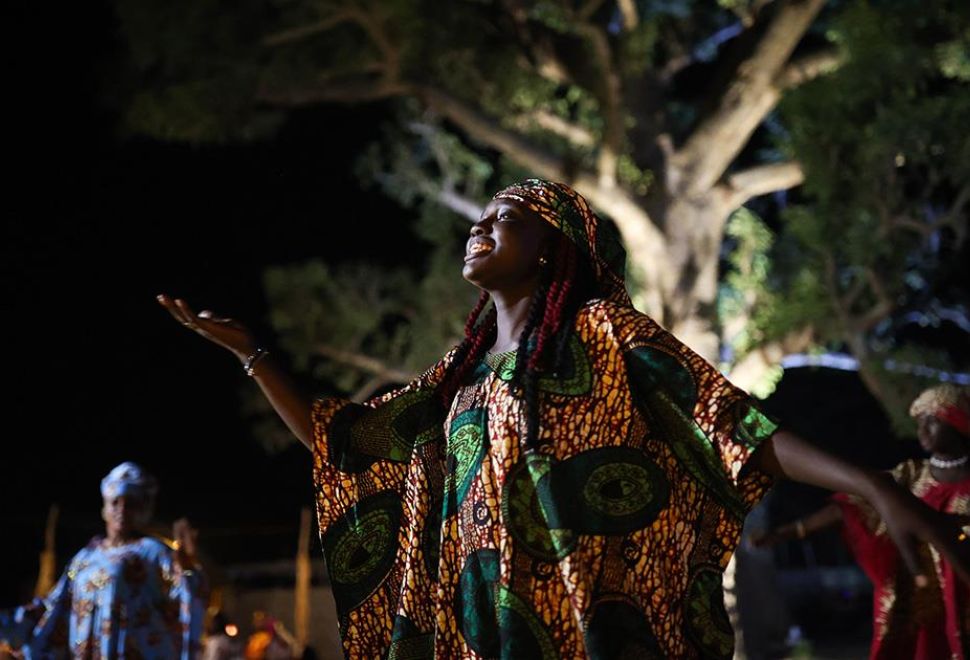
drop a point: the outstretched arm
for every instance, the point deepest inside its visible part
(827, 516)
(42, 625)
(287, 400)
(907, 519)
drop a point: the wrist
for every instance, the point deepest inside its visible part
(253, 359)
(242, 354)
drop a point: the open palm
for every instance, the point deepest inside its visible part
(223, 331)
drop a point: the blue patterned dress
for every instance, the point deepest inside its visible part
(130, 601)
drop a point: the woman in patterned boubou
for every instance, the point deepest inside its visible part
(568, 481)
(124, 595)
(926, 621)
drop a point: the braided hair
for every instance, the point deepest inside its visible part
(566, 281)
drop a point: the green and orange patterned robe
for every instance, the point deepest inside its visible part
(444, 538)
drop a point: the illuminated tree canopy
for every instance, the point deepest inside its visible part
(669, 115)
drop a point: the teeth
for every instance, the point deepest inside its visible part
(478, 248)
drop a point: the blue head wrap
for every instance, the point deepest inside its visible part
(130, 480)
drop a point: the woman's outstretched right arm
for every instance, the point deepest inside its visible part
(290, 403)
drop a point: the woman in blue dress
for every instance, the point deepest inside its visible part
(125, 594)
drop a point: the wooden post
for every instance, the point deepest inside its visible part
(301, 608)
(48, 560)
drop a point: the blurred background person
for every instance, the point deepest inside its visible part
(270, 640)
(125, 594)
(911, 620)
(222, 641)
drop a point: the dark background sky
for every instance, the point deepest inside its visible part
(96, 224)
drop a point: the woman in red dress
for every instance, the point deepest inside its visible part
(927, 619)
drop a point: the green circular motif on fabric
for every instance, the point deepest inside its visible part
(475, 602)
(466, 448)
(618, 489)
(532, 518)
(523, 634)
(574, 377)
(464, 444)
(615, 627)
(360, 547)
(493, 620)
(358, 552)
(359, 435)
(691, 446)
(707, 623)
(651, 368)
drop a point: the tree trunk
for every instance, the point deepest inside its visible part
(678, 284)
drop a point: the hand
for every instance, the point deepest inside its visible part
(228, 333)
(185, 543)
(908, 520)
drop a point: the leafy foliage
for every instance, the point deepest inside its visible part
(871, 238)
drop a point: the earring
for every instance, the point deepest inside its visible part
(543, 261)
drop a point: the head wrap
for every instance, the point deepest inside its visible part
(948, 403)
(569, 212)
(130, 480)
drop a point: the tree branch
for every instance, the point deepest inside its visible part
(459, 204)
(884, 304)
(640, 235)
(544, 59)
(577, 135)
(610, 96)
(364, 363)
(808, 68)
(718, 139)
(749, 14)
(628, 8)
(588, 9)
(366, 391)
(350, 91)
(761, 180)
(362, 88)
(950, 218)
(363, 70)
(485, 129)
(956, 212)
(305, 31)
(856, 325)
(375, 30)
(855, 290)
(443, 193)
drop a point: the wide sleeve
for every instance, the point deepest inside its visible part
(187, 591)
(40, 629)
(712, 426)
(361, 451)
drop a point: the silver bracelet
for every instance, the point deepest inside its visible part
(250, 366)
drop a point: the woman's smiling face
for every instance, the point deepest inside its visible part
(503, 251)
